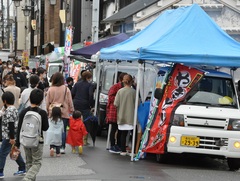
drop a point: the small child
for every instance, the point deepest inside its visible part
(76, 132)
(54, 132)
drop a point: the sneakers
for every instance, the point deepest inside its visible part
(51, 152)
(118, 148)
(123, 153)
(62, 151)
(67, 128)
(114, 149)
(58, 155)
(19, 173)
(80, 150)
(1, 175)
(130, 154)
(73, 151)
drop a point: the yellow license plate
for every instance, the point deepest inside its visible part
(190, 141)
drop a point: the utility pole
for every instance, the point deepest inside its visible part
(95, 20)
(31, 30)
(8, 26)
(42, 15)
(2, 23)
(15, 34)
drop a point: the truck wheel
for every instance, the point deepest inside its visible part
(233, 164)
(161, 158)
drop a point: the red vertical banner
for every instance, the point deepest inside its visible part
(179, 83)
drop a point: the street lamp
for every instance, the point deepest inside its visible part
(26, 10)
(29, 11)
(53, 2)
(2, 30)
(17, 4)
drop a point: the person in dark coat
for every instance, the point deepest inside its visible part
(43, 84)
(21, 81)
(70, 82)
(82, 94)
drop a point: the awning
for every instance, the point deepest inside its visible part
(88, 51)
(129, 10)
(12, 55)
(77, 46)
(47, 44)
(81, 59)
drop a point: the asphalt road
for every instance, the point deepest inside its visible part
(97, 164)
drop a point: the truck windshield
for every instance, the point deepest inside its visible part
(109, 77)
(53, 69)
(214, 91)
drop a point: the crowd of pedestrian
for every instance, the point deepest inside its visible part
(28, 95)
(62, 106)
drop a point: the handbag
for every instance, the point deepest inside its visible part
(22, 106)
(52, 105)
(14, 153)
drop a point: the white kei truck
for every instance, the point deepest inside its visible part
(208, 121)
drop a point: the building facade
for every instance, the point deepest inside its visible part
(44, 28)
(139, 14)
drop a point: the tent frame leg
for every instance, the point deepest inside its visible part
(110, 125)
(140, 65)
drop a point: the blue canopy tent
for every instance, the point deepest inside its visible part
(88, 51)
(184, 35)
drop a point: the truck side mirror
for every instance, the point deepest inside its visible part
(238, 83)
(158, 93)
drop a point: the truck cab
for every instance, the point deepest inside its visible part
(208, 121)
(54, 67)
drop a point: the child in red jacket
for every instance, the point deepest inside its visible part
(76, 132)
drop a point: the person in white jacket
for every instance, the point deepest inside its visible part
(34, 80)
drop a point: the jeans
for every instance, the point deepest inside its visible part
(123, 140)
(86, 113)
(4, 151)
(64, 134)
(113, 133)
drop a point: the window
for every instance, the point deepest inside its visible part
(214, 91)
(124, 3)
(108, 79)
(129, 28)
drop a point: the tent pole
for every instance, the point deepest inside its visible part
(108, 137)
(110, 125)
(98, 65)
(135, 111)
(98, 68)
